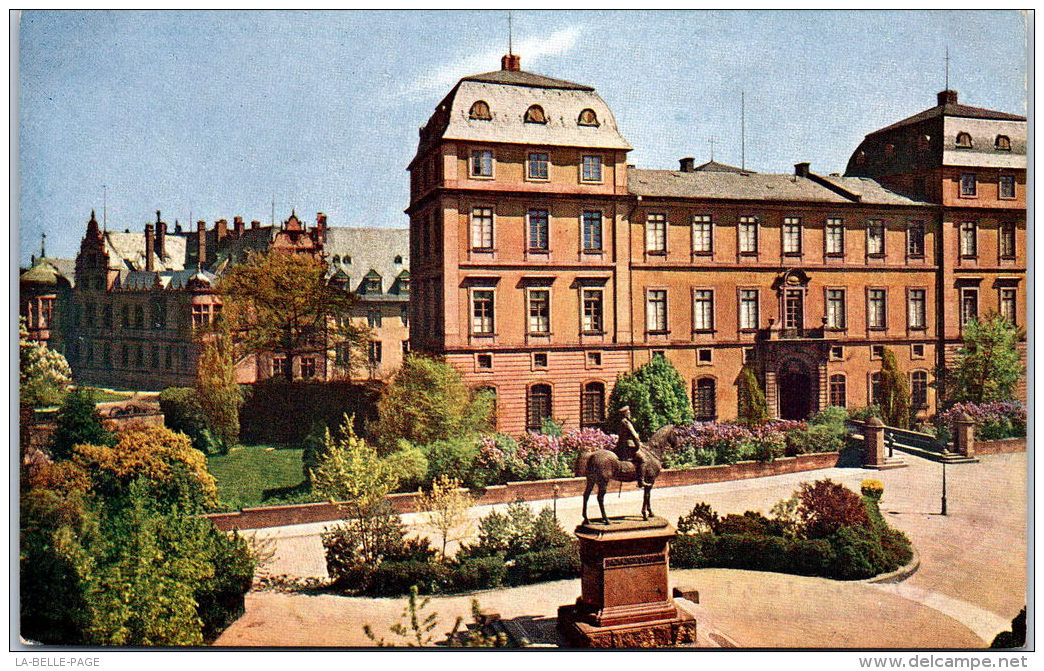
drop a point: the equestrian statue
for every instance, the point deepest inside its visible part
(629, 461)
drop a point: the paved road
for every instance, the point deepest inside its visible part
(972, 579)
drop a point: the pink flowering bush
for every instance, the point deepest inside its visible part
(711, 443)
(997, 419)
(534, 456)
(588, 439)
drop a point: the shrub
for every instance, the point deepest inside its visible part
(183, 412)
(690, 551)
(497, 461)
(816, 438)
(895, 391)
(753, 409)
(549, 427)
(217, 391)
(409, 465)
(79, 424)
(313, 449)
(826, 506)
(988, 366)
(392, 578)
(750, 522)
(999, 419)
(832, 415)
(701, 519)
(516, 532)
(546, 456)
(556, 563)
(864, 414)
(857, 554)
(1014, 637)
(656, 395)
(452, 458)
(477, 573)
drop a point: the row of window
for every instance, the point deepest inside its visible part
(40, 312)
(540, 403)
(137, 356)
(480, 111)
(838, 389)
(342, 358)
(969, 240)
(483, 165)
(970, 186)
(130, 316)
(962, 141)
(538, 230)
(1000, 143)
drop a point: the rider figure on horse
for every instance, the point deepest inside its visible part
(629, 445)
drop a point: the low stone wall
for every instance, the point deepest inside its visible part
(277, 516)
(1001, 446)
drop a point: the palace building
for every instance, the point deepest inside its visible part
(545, 266)
(138, 301)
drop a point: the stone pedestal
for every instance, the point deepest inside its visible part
(624, 600)
(964, 435)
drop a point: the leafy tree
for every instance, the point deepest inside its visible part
(826, 506)
(183, 412)
(217, 390)
(447, 508)
(350, 472)
(656, 394)
(428, 401)
(895, 392)
(44, 375)
(79, 423)
(753, 409)
(987, 367)
(313, 447)
(280, 302)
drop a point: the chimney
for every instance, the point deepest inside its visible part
(511, 62)
(150, 248)
(255, 224)
(237, 226)
(801, 169)
(220, 230)
(320, 227)
(687, 164)
(947, 97)
(201, 243)
(161, 237)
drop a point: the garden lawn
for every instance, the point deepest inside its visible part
(106, 396)
(248, 471)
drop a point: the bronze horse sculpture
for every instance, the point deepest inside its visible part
(602, 465)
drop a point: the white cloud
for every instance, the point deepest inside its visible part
(532, 49)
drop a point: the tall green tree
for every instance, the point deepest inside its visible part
(281, 302)
(656, 395)
(44, 375)
(79, 424)
(753, 409)
(427, 402)
(219, 396)
(987, 367)
(895, 392)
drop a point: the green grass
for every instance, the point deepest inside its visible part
(247, 472)
(105, 396)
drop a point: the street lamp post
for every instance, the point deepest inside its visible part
(944, 489)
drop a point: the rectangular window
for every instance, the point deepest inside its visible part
(656, 234)
(200, 315)
(835, 308)
(837, 352)
(968, 188)
(591, 170)
(875, 238)
(838, 391)
(915, 240)
(704, 355)
(343, 354)
(703, 310)
(537, 166)
(835, 237)
(592, 311)
(748, 309)
(482, 311)
(915, 312)
(702, 236)
(373, 318)
(539, 359)
(969, 239)
(482, 228)
(1007, 241)
(375, 352)
(792, 236)
(875, 304)
(307, 368)
(969, 305)
(748, 235)
(592, 231)
(539, 231)
(1007, 304)
(794, 309)
(1007, 186)
(917, 351)
(656, 311)
(875, 389)
(481, 163)
(484, 361)
(539, 311)
(278, 365)
(919, 389)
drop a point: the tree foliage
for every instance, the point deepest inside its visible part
(44, 375)
(753, 409)
(79, 424)
(895, 392)
(447, 508)
(350, 471)
(217, 391)
(987, 367)
(281, 302)
(427, 402)
(656, 394)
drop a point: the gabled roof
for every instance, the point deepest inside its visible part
(714, 166)
(952, 110)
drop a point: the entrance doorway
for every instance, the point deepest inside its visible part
(794, 389)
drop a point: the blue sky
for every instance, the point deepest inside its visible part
(212, 114)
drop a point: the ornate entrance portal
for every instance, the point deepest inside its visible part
(795, 390)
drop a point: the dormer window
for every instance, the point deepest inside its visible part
(347, 259)
(336, 259)
(861, 158)
(923, 142)
(398, 260)
(535, 114)
(588, 118)
(372, 284)
(480, 111)
(1003, 143)
(889, 150)
(964, 140)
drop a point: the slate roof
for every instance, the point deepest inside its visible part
(127, 251)
(756, 186)
(170, 280)
(523, 78)
(952, 110)
(714, 166)
(369, 249)
(49, 271)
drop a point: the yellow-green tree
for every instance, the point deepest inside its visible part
(895, 392)
(447, 509)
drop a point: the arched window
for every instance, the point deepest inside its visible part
(1003, 143)
(398, 260)
(964, 140)
(480, 110)
(588, 118)
(919, 389)
(347, 259)
(875, 388)
(704, 399)
(592, 404)
(838, 391)
(538, 406)
(923, 142)
(336, 259)
(535, 114)
(889, 150)
(860, 158)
